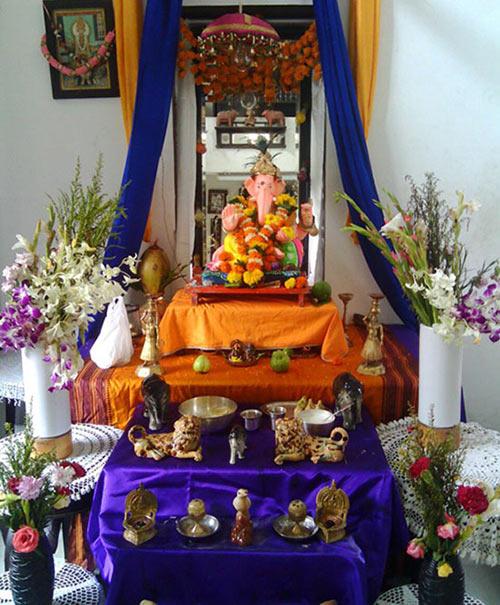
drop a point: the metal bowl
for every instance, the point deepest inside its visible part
(283, 527)
(214, 412)
(184, 526)
(317, 422)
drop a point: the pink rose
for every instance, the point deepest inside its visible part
(80, 71)
(25, 539)
(448, 531)
(102, 51)
(66, 71)
(93, 61)
(110, 36)
(415, 549)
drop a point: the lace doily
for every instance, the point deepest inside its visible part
(73, 586)
(481, 465)
(408, 595)
(11, 377)
(92, 445)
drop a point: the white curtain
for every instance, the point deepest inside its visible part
(317, 176)
(172, 208)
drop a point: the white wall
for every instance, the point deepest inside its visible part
(437, 108)
(40, 138)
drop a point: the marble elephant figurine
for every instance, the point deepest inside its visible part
(226, 117)
(273, 116)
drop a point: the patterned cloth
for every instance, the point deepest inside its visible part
(110, 396)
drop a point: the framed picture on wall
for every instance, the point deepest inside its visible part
(78, 38)
(216, 200)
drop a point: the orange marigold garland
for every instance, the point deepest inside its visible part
(218, 75)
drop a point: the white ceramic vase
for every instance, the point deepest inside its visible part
(440, 380)
(50, 412)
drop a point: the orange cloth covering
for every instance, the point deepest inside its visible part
(110, 396)
(268, 323)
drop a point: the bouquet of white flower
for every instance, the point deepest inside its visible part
(52, 297)
(423, 245)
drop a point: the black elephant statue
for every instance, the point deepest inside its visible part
(348, 392)
(156, 395)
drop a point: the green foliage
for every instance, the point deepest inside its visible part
(84, 214)
(22, 460)
(435, 488)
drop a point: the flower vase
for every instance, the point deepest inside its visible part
(31, 575)
(50, 411)
(439, 386)
(434, 590)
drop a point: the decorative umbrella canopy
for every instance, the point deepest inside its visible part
(239, 25)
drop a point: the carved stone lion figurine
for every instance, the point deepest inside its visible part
(293, 445)
(327, 449)
(183, 442)
(290, 440)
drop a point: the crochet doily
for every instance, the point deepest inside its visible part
(92, 445)
(11, 377)
(481, 465)
(73, 586)
(408, 595)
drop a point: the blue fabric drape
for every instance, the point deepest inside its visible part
(352, 152)
(155, 83)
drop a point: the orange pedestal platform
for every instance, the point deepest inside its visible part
(109, 396)
(267, 322)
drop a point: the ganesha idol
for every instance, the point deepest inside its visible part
(263, 240)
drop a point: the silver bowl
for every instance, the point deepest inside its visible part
(317, 422)
(283, 527)
(184, 526)
(252, 419)
(214, 412)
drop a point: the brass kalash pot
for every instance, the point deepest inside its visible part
(153, 271)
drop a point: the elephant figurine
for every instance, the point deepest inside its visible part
(273, 116)
(226, 117)
(156, 395)
(348, 392)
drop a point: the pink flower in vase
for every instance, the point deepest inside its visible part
(25, 539)
(415, 549)
(449, 530)
(29, 487)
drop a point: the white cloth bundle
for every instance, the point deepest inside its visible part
(113, 346)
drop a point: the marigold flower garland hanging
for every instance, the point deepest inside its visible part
(214, 69)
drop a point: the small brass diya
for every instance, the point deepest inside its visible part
(141, 506)
(297, 525)
(197, 524)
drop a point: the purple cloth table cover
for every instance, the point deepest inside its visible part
(375, 521)
(171, 570)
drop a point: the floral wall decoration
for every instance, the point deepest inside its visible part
(234, 64)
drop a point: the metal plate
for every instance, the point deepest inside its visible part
(282, 526)
(288, 405)
(209, 523)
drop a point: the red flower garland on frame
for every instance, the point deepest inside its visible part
(101, 55)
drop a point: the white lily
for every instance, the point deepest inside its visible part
(395, 225)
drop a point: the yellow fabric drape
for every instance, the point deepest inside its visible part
(364, 27)
(128, 29)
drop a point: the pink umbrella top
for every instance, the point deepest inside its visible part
(241, 25)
